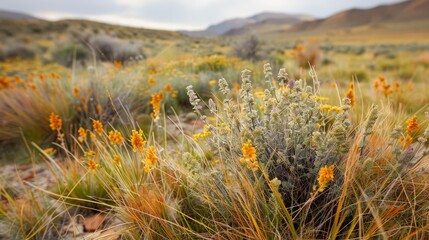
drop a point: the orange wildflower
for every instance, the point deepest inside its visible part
(55, 122)
(115, 137)
(116, 160)
(152, 71)
(92, 165)
(98, 126)
(151, 81)
(82, 134)
(350, 94)
(405, 141)
(137, 140)
(168, 88)
(76, 92)
(156, 104)
(150, 159)
(412, 125)
(249, 155)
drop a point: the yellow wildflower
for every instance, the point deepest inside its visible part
(137, 140)
(406, 142)
(318, 98)
(326, 175)
(117, 64)
(90, 153)
(150, 159)
(55, 122)
(49, 151)
(55, 75)
(115, 137)
(156, 104)
(330, 108)
(82, 134)
(168, 88)
(152, 71)
(249, 155)
(204, 134)
(116, 159)
(76, 91)
(151, 81)
(212, 82)
(98, 126)
(92, 165)
(99, 108)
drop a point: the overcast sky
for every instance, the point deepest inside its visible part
(177, 14)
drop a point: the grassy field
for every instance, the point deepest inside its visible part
(153, 135)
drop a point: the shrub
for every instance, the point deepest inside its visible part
(247, 48)
(110, 49)
(18, 51)
(309, 151)
(68, 54)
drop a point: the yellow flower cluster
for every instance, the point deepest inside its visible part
(212, 82)
(330, 108)
(82, 134)
(55, 122)
(319, 98)
(202, 135)
(92, 165)
(50, 151)
(137, 140)
(326, 175)
(249, 156)
(98, 126)
(156, 104)
(150, 159)
(115, 137)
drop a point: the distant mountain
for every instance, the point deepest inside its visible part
(238, 24)
(15, 15)
(411, 10)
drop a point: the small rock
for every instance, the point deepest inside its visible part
(94, 222)
(28, 176)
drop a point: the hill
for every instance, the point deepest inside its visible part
(412, 10)
(239, 25)
(4, 14)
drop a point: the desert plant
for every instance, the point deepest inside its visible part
(247, 48)
(108, 48)
(18, 51)
(68, 54)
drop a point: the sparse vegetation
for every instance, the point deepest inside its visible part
(142, 134)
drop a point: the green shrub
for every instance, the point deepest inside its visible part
(68, 54)
(19, 51)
